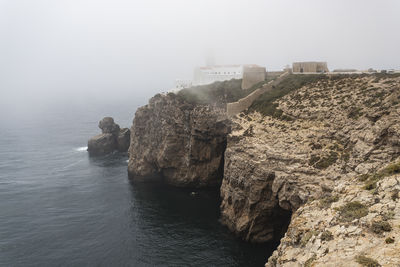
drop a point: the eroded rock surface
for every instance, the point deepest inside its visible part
(112, 138)
(333, 130)
(320, 235)
(101, 144)
(123, 139)
(179, 141)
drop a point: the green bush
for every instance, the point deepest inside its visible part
(389, 240)
(327, 201)
(324, 162)
(351, 211)
(354, 113)
(215, 93)
(371, 179)
(326, 236)
(380, 227)
(365, 261)
(327, 161)
(395, 194)
(307, 236)
(310, 261)
(264, 104)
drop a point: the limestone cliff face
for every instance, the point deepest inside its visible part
(267, 175)
(179, 141)
(323, 167)
(335, 130)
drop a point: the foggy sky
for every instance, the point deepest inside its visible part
(87, 50)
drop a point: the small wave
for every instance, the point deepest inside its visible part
(82, 148)
(127, 160)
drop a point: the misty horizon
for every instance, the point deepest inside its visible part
(98, 51)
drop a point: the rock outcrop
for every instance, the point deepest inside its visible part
(327, 134)
(320, 168)
(181, 142)
(111, 139)
(350, 227)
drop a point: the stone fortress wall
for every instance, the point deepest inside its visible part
(244, 103)
(252, 75)
(307, 67)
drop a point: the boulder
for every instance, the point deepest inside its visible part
(112, 138)
(107, 125)
(101, 144)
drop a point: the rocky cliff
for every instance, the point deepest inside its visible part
(327, 142)
(182, 142)
(314, 163)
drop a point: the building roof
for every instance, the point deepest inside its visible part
(229, 66)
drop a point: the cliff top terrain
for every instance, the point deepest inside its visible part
(314, 163)
(326, 149)
(220, 93)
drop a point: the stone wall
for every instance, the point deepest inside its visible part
(252, 75)
(245, 103)
(305, 67)
(274, 73)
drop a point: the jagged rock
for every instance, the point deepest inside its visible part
(266, 178)
(123, 140)
(112, 138)
(341, 127)
(330, 140)
(107, 125)
(101, 144)
(300, 172)
(181, 142)
(306, 236)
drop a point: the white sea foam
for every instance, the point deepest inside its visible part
(82, 148)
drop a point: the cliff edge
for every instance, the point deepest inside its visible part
(179, 141)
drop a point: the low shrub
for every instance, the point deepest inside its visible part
(327, 201)
(264, 104)
(365, 261)
(326, 236)
(310, 261)
(307, 236)
(380, 226)
(324, 162)
(371, 179)
(395, 194)
(354, 113)
(351, 211)
(389, 240)
(215, 93)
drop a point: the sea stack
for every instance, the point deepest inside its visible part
(112, 138)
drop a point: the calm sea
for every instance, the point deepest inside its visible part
(58, 207)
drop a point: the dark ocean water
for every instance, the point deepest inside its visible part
(58, 207)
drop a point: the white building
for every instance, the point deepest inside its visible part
(215, 73)
(182, 84)
(210, 74)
